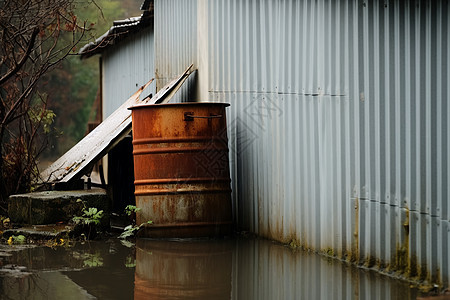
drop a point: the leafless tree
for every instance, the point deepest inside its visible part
(35, 36)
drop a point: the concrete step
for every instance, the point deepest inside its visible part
(53, 207)
(41, 232)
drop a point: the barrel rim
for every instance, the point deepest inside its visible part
(139, 105)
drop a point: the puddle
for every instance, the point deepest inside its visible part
(189, 269)
(95, 270)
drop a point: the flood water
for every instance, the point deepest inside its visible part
(190, 269)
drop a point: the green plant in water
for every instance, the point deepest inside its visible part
(130, 209)
(90, 216)
(130, 261)
(19, 239)
(131, 230)
(93, 260)
(90, 260)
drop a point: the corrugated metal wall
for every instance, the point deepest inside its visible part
(126, 67)
(338, 123)
(176, 44)
(265, 270)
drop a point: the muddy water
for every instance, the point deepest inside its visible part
(215, 269)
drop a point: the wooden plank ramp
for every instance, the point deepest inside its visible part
(80, 159)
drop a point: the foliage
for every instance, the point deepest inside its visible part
(58, 242)
(89, 220)
(46, 92)
(43, 116)
(91, 216)
(92, 260)
(19, 239)
(130, 261)
(73, 87)
(131, 209)
(131, 230)
(89, 260)
(35, 37)
(5, 222)
(126, 243)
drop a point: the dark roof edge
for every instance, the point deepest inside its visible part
(120, 30)
(147, 5)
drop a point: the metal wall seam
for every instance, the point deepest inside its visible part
(429, 207)
(439, 188)
(446, 95)
(398, 178)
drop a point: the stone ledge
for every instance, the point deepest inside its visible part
(51, 207)
(41, 232)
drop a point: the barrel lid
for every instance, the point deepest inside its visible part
(142, 105)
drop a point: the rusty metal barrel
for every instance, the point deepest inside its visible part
(181, 169)
(186, 269)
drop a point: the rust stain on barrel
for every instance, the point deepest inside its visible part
(182, 176)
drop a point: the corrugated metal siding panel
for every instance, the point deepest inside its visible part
(263, 270)
(175, 43)
(338, 122)
(126, 67)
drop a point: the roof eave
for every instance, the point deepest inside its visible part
(119, 31)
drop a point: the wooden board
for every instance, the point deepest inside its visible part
(80, 158)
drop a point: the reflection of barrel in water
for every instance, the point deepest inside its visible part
(181, 168)
(183, 269)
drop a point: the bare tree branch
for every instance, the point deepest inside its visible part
(24, 58)
(35, 36)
